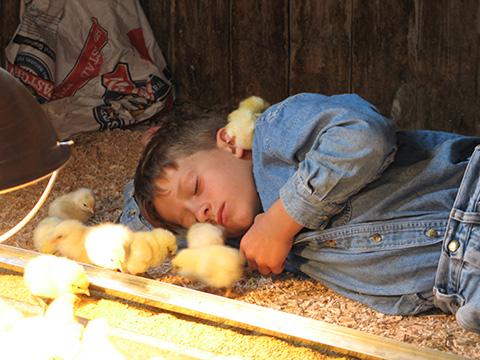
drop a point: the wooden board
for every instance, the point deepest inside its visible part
(236, 313)
(259, 49)
(443, 91)
(380, 49)
(9, 20)
(200, 38)
(320, 46)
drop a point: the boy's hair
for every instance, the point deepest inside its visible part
(175, 139)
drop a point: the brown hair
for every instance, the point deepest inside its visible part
(175, 139)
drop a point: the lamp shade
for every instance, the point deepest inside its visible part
(29, 146)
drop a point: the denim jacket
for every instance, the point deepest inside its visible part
(374, 203)
(373, 227)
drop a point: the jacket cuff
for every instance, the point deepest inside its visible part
(304, 207)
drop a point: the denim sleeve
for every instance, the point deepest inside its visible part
(131, 215)
(334, 146)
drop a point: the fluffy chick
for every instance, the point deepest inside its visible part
(43, 237)
(61, 323)
(96, 343)
(218, 266)
(8, 316)
(55, 335)
(254, 103)
(149, 249)
(68, 238)
(203, 234)
(163, 243)
(49, 276)
(241, 123)
(107, 244)
(78, 205)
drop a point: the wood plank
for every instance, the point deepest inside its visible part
(9, 20)
(259, 49)
(320, 46)
(159, 16)
(236, 313)
(444, 58)
(380, 49)
(201, 51)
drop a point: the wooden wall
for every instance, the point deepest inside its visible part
(417, 60)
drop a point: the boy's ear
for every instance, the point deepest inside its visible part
(227, 142)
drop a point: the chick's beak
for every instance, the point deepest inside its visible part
(84, 291)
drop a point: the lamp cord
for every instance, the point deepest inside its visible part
(32, 212)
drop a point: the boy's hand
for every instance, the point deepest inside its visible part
(267, 243)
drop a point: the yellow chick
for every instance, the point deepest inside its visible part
(43, 238)
(49, 276)
(140, 255)
(78, 205)
(149, 249)
(218, 266)
(107, 244)
(254, 103)
(8, 316)
(55, 335)
(241, 123)
(27, 339)
(163, 243)
(62, 326)
(96, 343)
(69, 240)
(202, 234)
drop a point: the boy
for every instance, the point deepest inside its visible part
(329, 189)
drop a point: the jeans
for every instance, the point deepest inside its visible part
(457, 281)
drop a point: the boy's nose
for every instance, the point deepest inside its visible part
(203, 212)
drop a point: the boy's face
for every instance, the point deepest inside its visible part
(213, 186)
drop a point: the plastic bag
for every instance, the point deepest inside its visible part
(91, 64)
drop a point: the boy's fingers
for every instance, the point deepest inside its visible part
(264, 270)
(252, 265)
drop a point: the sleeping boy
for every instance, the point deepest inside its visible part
(330, 189)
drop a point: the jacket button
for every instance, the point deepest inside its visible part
(453, 245)
(132, 213)
(330, 243)
(431, 233)
(376, 238)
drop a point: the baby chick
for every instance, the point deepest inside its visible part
(55, 335)
(163, 243)
(218, 266)
(49, 276)
(68, 238)
(78, 205)
(96, 343)
(149, 249)
(43, 238)
(241, 123)
(107, 244)
(61, 324)
(254, 103)
(8, 316)
(202, 234)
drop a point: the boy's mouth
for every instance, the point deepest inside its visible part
(220, 215)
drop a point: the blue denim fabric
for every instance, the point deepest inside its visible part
(457, 284)
(374, 228)
(131, 215)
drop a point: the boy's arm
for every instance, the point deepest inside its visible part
(326, 149)
(268, 241)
